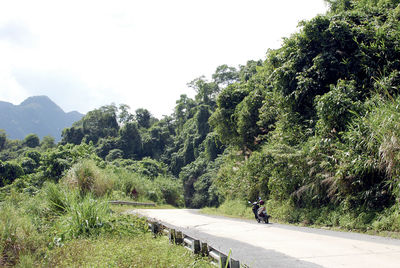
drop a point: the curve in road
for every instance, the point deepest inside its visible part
(277, 245)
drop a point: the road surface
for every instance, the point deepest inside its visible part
(276, 245)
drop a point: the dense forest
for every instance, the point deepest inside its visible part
(313, 129)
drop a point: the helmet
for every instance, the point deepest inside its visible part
(261, 202)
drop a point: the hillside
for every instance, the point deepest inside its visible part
(38, 115)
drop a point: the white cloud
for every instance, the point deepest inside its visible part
(84, 54)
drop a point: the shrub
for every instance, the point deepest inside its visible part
(171, 190)
(87, 177)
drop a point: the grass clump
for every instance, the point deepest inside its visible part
(57, 198)
(86, 217)
(87, 177)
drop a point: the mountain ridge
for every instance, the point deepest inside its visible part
(36, 114)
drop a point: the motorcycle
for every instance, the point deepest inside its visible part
(260, 213)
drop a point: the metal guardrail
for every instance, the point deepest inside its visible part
(196, 246)
(131, 203)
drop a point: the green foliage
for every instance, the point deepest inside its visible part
(58, 199)
(9, 171)
(143, 117)
(105, 145)
(96, 124)
(28, 165)
(17, 234)
(130, 140)
(114, 154)
(86, 218)
(223, 120)
(86, 177)
(213, 146)
(206, 91)
(225, 75)
(47, 142)
(32, 140)
(124, 115)
(247, 117)
(72, 135)
(130, 182)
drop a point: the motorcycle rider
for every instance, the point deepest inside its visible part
(255, 209)
(261, 209)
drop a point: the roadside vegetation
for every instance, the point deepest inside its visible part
(71, 224)
(312, 129)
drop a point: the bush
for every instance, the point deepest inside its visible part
(171, 190)
(89, 178)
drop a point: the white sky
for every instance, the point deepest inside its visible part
(84, 54)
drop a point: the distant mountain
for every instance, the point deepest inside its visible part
(38, 115)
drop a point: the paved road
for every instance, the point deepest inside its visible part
(277, 245)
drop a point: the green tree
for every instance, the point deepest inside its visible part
(143, 118)
(131, 140)
(223, 120)
(184, 110)
(99, 123)
(225, 75)
(124, 115)
(32, 140)
(47, 142)
(73, 135)
(206, 91)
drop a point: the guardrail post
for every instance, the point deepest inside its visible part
(196, 246)
(178, 238)
(192, 244)
(171, 235)
(219, 257)
(155, 228)
(204, 249)
(234, 263)
(222, 260)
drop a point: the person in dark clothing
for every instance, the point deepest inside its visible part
(255, 209)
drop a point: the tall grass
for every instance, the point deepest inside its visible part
(89, 178)
(120, 183)
(18, 235)
(58, 199)
(161, 189)
(86, 217)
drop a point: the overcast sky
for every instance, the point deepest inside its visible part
(84, 54)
